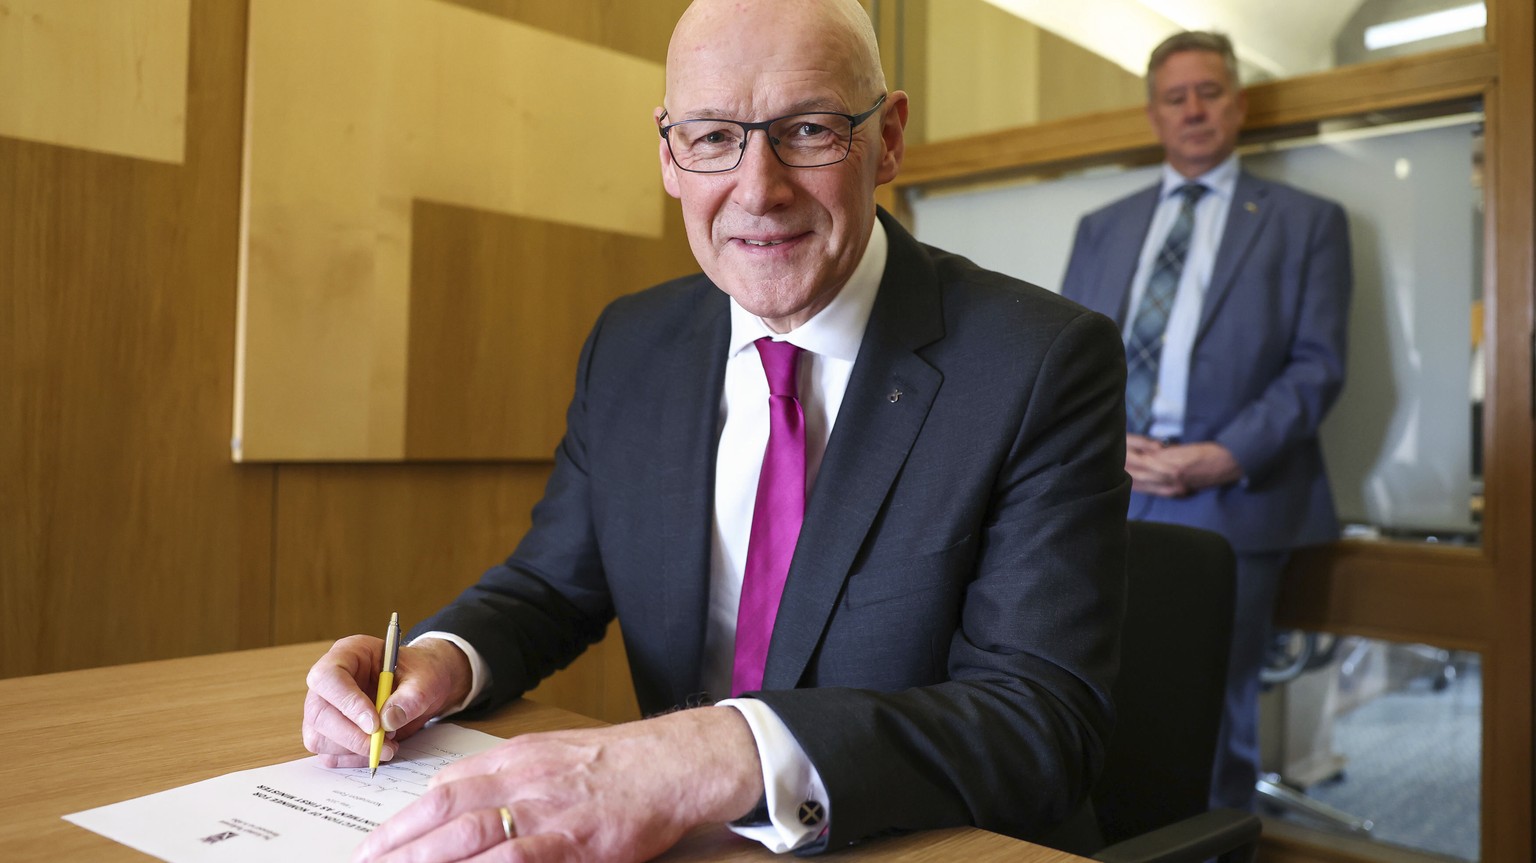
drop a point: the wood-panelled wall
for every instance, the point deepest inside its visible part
(973, 68)
(126, 533)
(490, 371)
(359, 111)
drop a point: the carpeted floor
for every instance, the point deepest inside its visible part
(1413, 760)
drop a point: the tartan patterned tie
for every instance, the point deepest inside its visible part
(1144, 347)
(776, 516)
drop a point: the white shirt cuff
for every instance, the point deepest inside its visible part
(479, 674)
(792, 787)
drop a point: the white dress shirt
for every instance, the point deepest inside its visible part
(830, 342)
(1184, 318)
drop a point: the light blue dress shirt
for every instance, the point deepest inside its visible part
(1184, 318)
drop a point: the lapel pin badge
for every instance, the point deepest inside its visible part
(1251, 207)
(894, 397)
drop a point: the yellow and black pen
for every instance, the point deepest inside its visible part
(386, 686)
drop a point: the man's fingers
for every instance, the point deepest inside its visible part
(464, 809)
(409, 702)
(349, 760)
(1163, 490)
(339, 718)
(327, 732)
(470, 836)
(336, 679)
(481, 763)
(538, 848)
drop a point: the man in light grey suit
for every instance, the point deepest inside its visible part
(1232, 294)
(947, 629)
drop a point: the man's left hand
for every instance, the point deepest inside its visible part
(623, 793)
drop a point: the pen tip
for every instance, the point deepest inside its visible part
(374, 772)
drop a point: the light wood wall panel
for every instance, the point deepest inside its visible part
(1075, 81)
(110, 77)
(355, 110)
(638, 29)
(125, 533)
(356, 542)
(984, 70)
(500, 306)
(973, 68)
(421, 532)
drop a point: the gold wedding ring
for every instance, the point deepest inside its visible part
(507, 826)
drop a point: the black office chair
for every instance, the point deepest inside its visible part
(1150, 805)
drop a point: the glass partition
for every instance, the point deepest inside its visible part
(1402, 443)
(1376, 740)
(975, 66)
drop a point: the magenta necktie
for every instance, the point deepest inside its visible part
(776, 516)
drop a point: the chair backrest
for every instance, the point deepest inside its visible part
(1175, 641)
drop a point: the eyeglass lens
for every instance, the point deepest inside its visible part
(801, 141)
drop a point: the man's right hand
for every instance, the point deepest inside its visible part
(338, 709)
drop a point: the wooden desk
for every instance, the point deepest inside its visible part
(83, 739)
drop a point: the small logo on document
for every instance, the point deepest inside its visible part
(219, 837)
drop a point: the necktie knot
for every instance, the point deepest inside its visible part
(780, 362)
(1192, 193)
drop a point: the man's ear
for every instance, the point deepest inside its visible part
(893, 139)
(668, 167)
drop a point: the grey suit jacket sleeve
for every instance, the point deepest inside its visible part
(1309, 370)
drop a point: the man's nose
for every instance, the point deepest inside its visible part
(762, 181)
(1194, 108)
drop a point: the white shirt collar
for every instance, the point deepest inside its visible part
(836, 330)
(1221, 179)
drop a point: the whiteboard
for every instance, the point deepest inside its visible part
(1398, 442)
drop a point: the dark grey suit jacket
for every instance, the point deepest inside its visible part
(949, 628)
(1268, 357)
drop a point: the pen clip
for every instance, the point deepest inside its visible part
(392, 643)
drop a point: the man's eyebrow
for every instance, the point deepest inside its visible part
(1203, 82)
(702, 114)
(807, 106)
(817, 105)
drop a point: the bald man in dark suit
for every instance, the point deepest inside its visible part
(945, 626)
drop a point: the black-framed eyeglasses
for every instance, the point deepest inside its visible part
(808, 140)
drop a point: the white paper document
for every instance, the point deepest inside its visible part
(296, 812)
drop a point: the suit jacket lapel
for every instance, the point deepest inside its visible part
(884, 407)
(1123, 245)
(687, 445)
(1245, 217)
